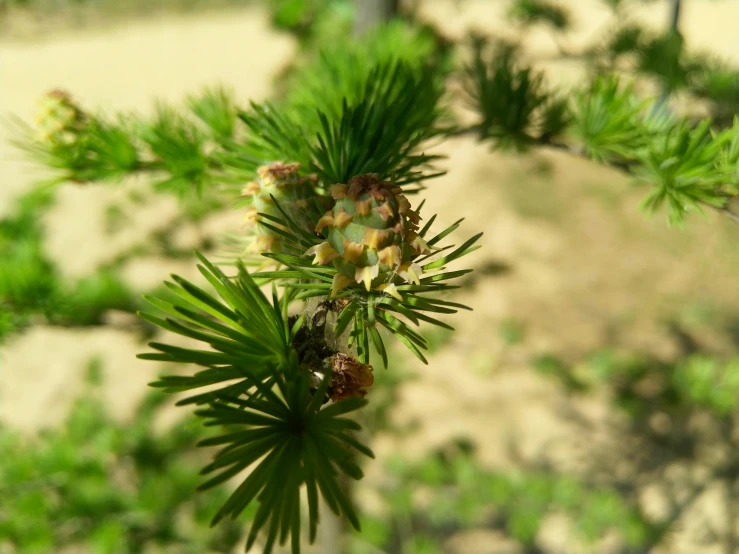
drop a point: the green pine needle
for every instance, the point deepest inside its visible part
(260, 393)
(383, 132)
(366, 311)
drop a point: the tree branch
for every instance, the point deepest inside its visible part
(728, 213)
(625, 166)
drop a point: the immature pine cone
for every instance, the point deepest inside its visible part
(291, 190)
(372, 234)
(60, 119)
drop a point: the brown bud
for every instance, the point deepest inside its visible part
(341, 303)
(278, 170)
(349, 378)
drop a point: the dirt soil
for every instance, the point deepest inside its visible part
(567, 253)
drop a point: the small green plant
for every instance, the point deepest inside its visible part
(671, 412)
(314, 20)
(108, 486)
(426, 502)
(515, 106)
(533, 12)
(31, 286)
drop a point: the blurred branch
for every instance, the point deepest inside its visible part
(371, 13)
(674, 20)
(732, 480)
(330, 531)
(625, 166)
(622, 165)
(728, 213)
(675, 514)
(675, 16)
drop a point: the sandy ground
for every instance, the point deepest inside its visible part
(583, 260)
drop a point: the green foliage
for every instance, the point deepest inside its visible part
(366, 310)
(384, 131)
(255, 366)
(111, 150)
(554, 368)
(27, 284)
(515, 107)
(682, 167)
(216, 108)
(672, 412)
(261, 384)
(290, 14)
(88, 298)
(30, 284)
(663, 57)
(395, 115)
(642, 385)
(626, 39)
(361, 115)
(605, 119)
(623, 374)
(265, 398)
(682, 160)
(249, 331)
(615, 5)
(371, 105)
(709, 383)
(688, 165)
(458, 493)
(179, 147)
(314, 21)
(716, 81)
(109, 486)
(10, 323)
(383, 107)
(532, 12)
(100, 148)
(340, 70)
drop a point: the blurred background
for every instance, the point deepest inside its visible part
(587, 405)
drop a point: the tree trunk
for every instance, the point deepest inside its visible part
(674, 24)
(675, 16)
(371, 13)
(330, 531)
(731, 541)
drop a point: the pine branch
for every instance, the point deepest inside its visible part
(728, 213)
(689, 166)
(176, 148)
(263, 385)
(624, 166)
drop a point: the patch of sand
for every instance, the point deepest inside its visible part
(42, 373)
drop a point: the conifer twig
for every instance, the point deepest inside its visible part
(625, 166)
(728, 213)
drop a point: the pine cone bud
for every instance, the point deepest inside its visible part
(60, 119)
(372, 234)
(292, 192)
